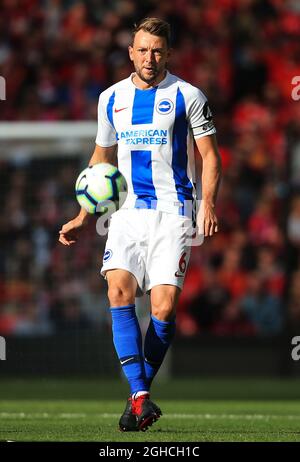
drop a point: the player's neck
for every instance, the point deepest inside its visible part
(139, 83)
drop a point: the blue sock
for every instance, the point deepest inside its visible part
(128, 344)
(157, 341)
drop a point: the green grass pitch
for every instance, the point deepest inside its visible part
(193, 410)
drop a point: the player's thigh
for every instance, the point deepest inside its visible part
(164, 299)
(122, 286)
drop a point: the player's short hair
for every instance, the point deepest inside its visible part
(154, 26)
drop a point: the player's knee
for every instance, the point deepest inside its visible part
(163, 312)
(119, 296)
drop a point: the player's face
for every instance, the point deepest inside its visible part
(150, 55)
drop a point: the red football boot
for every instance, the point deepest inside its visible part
(146, 411)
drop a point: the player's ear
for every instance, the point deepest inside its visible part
(130, 51)
(169, 52)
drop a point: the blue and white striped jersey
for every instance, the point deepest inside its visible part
(154, 130)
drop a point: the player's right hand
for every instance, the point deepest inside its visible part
(69, 232)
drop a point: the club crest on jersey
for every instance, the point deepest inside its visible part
(164, 106)
(107, 255)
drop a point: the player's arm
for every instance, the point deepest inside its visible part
(105, 151)
(104, 154)
(211, 176)
(68, 234)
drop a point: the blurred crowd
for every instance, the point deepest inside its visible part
(57, 56)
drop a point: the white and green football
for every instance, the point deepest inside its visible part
(101, 188)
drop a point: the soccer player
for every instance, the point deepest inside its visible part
(148, 123)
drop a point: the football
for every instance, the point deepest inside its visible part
(101, 188)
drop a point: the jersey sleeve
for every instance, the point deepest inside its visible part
(106, 133)
(200, 116)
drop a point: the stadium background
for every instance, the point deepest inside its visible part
(241, 303)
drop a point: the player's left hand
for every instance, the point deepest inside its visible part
(210, 220)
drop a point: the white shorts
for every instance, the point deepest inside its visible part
(152, 245)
